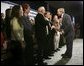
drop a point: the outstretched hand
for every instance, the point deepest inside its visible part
(52, 27)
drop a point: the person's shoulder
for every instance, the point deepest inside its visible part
(39, 15)
(66, 14)
(54, 15)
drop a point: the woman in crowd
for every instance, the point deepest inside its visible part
(57, 24)
(17, 38)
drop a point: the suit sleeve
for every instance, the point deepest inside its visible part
(66, 26)
(43, 21)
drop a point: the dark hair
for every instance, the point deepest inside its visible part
(15, 11)
(8, 12)
(25, 6)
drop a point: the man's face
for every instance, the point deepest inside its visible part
(43, 10)
(59, 12)
(48, 15)
(28, 10)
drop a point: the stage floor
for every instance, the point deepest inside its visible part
(77, 55)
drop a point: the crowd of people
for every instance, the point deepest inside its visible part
(32, 42)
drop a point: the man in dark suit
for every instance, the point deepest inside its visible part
(68, 32)
(50, 42)
(28, 32)
(40, 33)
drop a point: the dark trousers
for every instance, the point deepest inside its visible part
(49, 45)
(69, 44)
(42, 48)
(61, 43)
(17, 53)
(29, 59)
(51, 39)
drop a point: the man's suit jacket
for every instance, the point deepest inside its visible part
(27, 25)
(67, 25)
(40, 26)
